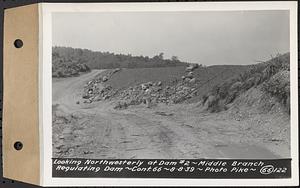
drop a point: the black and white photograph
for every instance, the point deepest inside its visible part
(170, 85)
(151, 94)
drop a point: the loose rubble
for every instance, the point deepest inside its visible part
(149, 93)
(97, 89)
(154, 92)
(189, 77)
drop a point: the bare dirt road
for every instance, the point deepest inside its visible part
(175, 131)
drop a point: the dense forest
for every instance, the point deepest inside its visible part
(67, 61)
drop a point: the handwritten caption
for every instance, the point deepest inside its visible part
(169, 168)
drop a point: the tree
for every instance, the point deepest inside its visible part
(174, 58)
(161, 55)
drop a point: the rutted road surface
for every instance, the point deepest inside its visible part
(177, 131)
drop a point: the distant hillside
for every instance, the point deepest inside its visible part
(65, 57)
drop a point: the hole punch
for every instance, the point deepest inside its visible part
(18, 43)
(18, 145)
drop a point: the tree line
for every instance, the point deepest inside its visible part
(109, 60)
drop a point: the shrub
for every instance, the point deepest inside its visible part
(236, 86)
(204, 99)
(279, 86)
(213, 104)
(224, 90)
(249, 83)
(273, 74)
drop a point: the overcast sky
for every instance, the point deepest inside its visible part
(214, 37)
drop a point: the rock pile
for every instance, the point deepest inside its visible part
(97, 90)
(143, 93)
(155, 92)
(189, 77)
(94, 92)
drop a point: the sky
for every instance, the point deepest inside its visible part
(206, 37)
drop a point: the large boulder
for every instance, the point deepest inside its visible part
(190, 75)
(195, 65)
(104, 78)
(189, 68)
(144, 86)
(121, 105)
(116, 70)
(192, 81)
(187, 79)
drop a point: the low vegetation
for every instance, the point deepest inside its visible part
(107, 60)
(272, 77)
(67, 67)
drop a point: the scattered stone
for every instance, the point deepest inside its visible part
(149, 84)
(104, 79)
(144, 86)
(61, 137)
(88, 152)
(192, 81)
(58, 146)
(116, 70)
(189, 75)
(189, 68)
(187, 125)
(97, 98)
(164, 113)
(196, 66)
(121, 105)
(105, 97)
(275, 140)
(187, 79)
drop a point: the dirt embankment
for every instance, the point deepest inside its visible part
(170, 85)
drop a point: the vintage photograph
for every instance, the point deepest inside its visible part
(171, 85)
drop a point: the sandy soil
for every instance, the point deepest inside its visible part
(175, 131)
